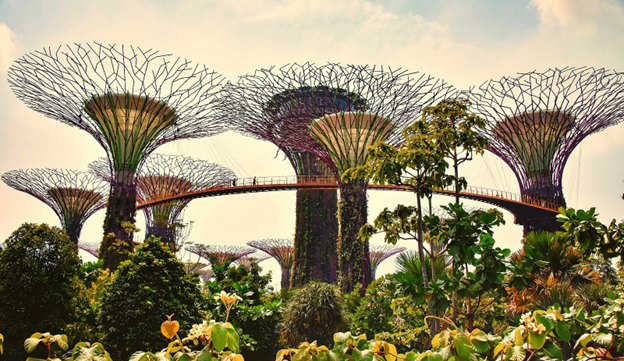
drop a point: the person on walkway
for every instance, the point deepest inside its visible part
(254, 180)
(234, 182)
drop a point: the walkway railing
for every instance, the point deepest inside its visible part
(311, 180)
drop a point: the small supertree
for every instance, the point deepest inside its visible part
(90, 247)
(220, 255)
(248, 260)
(73, 195)
(164, 175)
(535, 121)
(328, 115)
(381, 252)
(282, 249)
(130, 100)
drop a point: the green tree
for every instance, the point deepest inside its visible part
(39, 286)
(256, 316)
(152, 283)
(315, 312)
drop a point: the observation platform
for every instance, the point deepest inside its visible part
(522, 207)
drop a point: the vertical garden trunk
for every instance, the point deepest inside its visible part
(117, 242)
(285, 278)
(316, 232)
(353, 258)
(73, 229)
(162, 232)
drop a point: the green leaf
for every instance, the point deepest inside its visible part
(603, 339)
(185, 357)
(232, 340)
(553, 351)
(31, 344)
(61, 341)
(219, 336)
(537, 341)
(563, 332)
(462, 345)
(548, 322)
(516, 353)
(583, 340)
(204, 355)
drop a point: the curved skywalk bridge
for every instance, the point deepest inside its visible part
(522, 207)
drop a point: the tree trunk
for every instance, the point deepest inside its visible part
(353, 253)
(117, 242)
(316, 234)
(73, 228)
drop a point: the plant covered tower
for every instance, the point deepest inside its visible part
(536, 119)
(363, 104)
(165, 175)
(220, 255)
(73, 195)
(381, 252)
(282, 249)
(130, 100)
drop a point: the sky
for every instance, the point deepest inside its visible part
(464, 42)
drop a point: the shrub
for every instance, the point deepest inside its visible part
(39, 287)
(315, 312)
(152, 283)
(256, 316)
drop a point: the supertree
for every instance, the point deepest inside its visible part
(381, 252)
(324, 118)
(90, 247)
(164, 175)
(248, 260)
(130, 100)
(535, 120)
(73, 195)
(220, 255)
(282, 249)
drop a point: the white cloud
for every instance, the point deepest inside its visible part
(590, 17)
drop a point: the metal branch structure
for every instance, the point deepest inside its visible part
(90, 247)
(131, 100)
(324, 118)
(248, 260)
(73, 195)
(536, 119)
(381, 252)
(164, 175)
(220, 255)
(282, 249)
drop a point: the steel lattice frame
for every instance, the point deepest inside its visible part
(90, 247)
(73, 195)
(222, 255)
(282, 249)
(381, 252)
(536, 119)
(129, 99)
(333, 113)
(248, 260)
(164, 175)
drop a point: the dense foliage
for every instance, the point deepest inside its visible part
(257, 314)
(315, 312)
(39, 287)
(150, 284)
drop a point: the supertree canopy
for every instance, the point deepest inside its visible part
(220, 255)
(248, 260)
(535, 121)
(329, 115)
(381, 252)
(90, 247)
(161, 176)
(130, 100)
(282, 249)
(73, 195)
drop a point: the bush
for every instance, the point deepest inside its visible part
(256, 316)
(152, 283)
(315, 312)
(39, 287)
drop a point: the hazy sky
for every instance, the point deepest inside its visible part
(465, 42)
